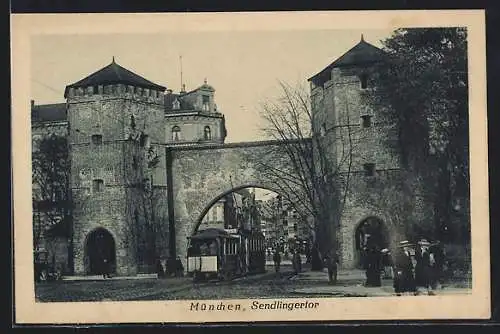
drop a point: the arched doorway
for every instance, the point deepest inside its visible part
(100, 252)
(370, 233)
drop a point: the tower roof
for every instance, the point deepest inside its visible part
(114, 74)
(362, 53)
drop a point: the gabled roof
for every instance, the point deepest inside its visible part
(361, 53)
(49, 112)
(114, 74)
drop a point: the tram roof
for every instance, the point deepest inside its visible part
(212, 233)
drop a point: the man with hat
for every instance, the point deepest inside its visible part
(403, 269)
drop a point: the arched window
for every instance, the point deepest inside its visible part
(176, 133)
(176, 105)
(207, 133)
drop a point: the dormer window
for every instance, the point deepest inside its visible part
(205, 103)
(363, 81)
(176, 105)
(366, 121)
(176, 133)
(207, 133)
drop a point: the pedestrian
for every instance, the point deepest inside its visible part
(404, 280)
(373, 268)
(179, 268)
(387, 264)
(427, 270)
(277, 261)
(159, 269)
(331, 261)
(297, 262)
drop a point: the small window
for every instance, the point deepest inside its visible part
(285, 222)
(176, 133)
(323, 130)
(207, 133)
(144, 141)
(364, 81)
(96, 140)
(98, 185)
(369, 169)
(176, 105)
(366, 121)
(206, 103)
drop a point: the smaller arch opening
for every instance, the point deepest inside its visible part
(371, 233)
(100, 252)
(207, 133)
(176, 133)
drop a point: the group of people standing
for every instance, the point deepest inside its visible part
(296, 261)
(171, 267)
(423, 268)
(410, 266)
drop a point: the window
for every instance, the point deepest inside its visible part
(96, 139)
(144, 140)
(98, 185)
(176, 133)
(207, 133)
(366, 121)
(364, 81)
(214, 214)
(205, 103)
(176, 105)
(295, 227)
(369, 169)
(323, 130)
(285, 222)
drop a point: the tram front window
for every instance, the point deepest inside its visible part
(213, 248)
(204, 249)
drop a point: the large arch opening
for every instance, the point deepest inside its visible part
(370, 233)
(100, 252)
(261, 209)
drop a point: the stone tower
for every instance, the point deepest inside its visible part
(361, 149)
(116, 121)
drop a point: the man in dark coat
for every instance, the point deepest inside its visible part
(373, 269)
(277, 261)
(403, 272)
(297, 262)
(331, 262)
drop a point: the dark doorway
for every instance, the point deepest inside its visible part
(370, 233)
(100, 252)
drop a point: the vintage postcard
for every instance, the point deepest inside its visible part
(234, 167)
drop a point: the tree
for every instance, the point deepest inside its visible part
(51, 190)
(423, 89)
(309, 173)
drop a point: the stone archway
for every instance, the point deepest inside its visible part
(370, 232)
(215, 199)
(100, 252)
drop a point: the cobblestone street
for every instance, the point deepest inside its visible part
(268, 285)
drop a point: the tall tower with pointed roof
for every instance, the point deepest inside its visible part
(116, 121)
(359, 144)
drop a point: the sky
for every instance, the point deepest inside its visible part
(243, 66)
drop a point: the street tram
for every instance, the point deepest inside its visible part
(218, 254)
